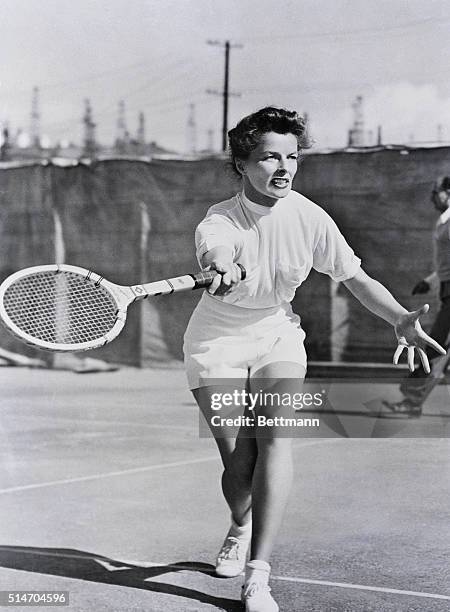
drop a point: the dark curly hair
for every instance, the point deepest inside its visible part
(445, 183)
(245, 137)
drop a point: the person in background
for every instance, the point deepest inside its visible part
(416, 387)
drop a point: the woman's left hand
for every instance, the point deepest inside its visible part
(410, 335)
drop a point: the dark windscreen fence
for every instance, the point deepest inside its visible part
(133, 221)
(381, 203)
(26, 228)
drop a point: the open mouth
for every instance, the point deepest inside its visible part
(280, 182)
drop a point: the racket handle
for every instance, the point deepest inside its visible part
(204, 279)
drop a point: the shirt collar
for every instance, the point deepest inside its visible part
(257, 208)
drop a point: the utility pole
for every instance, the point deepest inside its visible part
(226, 90)
(225, 95)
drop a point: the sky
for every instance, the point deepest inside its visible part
(314, 56)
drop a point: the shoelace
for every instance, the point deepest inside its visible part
(230, 549)
(254, 588)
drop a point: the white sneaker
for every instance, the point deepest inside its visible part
(232, 557)
(257, 598)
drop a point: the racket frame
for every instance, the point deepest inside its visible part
(122, 295)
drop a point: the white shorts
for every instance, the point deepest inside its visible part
(227, 341)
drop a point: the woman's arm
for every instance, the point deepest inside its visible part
(376, 298)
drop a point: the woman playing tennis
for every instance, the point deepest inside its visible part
(245, 330)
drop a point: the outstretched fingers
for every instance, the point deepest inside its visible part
(411, 336)
(411, 358)
(402, 345)
(399, 350)
(424, 360)
(410, 349)
(432, 342)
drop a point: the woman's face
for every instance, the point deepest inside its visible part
(270, 169)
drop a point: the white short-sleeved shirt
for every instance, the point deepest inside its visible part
(277, 245)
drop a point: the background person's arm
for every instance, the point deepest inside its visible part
(424, 285)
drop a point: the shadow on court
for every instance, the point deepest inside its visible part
(82, 565)
(113, 463)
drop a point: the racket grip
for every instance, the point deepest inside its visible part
(204, 279)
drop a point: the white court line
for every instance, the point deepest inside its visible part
(106, 422)
(361, 587)
(341, 585)
(146, 468)
(114, 565)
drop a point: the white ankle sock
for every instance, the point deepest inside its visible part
(257, 571)
(242, 532)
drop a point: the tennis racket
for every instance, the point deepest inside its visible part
(66, 308)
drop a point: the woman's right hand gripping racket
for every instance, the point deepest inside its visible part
(58, 307)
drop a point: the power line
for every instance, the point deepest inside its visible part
(75, 82)
(112, 108)
(312, 35)
(305, 88)
(152, 82)
(64, 126)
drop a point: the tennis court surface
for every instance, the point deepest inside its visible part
(108, 492)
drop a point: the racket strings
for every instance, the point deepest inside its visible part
(61, 308)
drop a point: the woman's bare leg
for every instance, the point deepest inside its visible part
(273, 473)
(238, 457)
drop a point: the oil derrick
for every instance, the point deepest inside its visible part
(5, 147)
(140, 135)
(191, 130)
(122, 143)
(35, 123)
(89, 140)
(356, 134)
